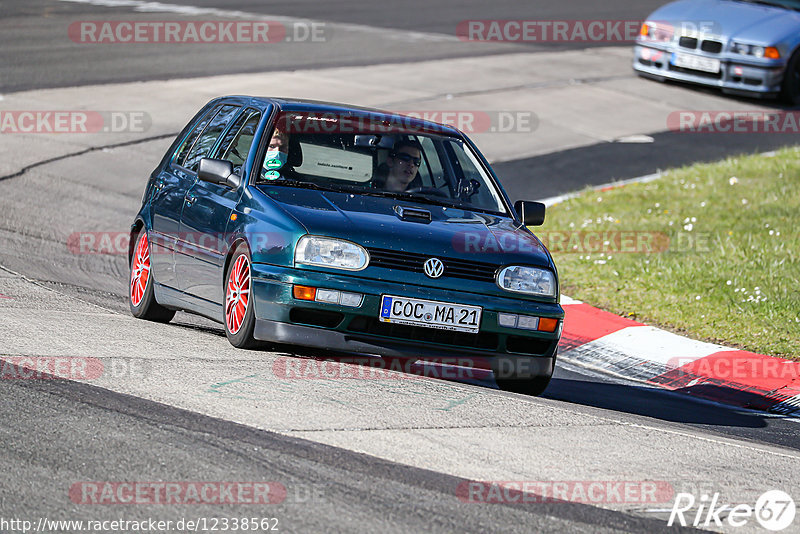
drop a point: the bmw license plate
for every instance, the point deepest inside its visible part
(431, 314)
(690, 61)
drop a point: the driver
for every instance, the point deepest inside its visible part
(278, 151)
(403, 163)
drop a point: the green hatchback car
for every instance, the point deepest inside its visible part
(348, 230)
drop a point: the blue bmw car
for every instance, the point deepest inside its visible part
(747, 47)
(348, 230)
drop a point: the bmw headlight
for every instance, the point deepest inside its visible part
(769, 52)
(528, 280)
(654, 31)
(329, 252)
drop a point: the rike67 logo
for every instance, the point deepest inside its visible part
(774, 510)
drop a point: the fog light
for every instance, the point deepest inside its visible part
(305, 292)
(326, 295)
(351, 299)
(507, 319)
(528, 323)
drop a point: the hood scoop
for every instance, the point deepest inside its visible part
(413, 214)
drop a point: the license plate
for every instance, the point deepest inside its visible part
(690, 61)
(431, 314)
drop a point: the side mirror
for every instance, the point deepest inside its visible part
(530, 213)
(217, 171)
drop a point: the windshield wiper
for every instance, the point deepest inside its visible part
(420, 197)
(300, 183)
(358, 190)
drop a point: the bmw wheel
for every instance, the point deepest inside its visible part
(790, 90)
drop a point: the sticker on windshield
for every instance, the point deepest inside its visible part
(272, 175)
(274, 163)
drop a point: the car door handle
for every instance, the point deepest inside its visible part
(190, 199)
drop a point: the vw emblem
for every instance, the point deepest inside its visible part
(434, 268)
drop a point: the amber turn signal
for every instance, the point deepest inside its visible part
(305, 292)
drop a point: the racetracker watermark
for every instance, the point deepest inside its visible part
(74, 122)
(477, 121)
(735, 122)
(549, 31)
(356, 368)
(118, 243)
(774, 510)
(180, 493)
(71, 368)
(734, 366)
(50, 368)
(196, 32)
(408, 122)
(566, 491)
(474, 242)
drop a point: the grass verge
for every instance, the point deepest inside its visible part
(710, 251)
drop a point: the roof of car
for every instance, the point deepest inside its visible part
(317, 106)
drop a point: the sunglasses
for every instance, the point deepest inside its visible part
(408, 158)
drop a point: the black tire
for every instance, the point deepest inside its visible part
(516, 374)
(790, 89)
(141, 292)
(239, 330)
(527, 386)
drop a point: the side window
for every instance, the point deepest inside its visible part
(209, 137)
(236, 144)
(433, 163)
(188, 143)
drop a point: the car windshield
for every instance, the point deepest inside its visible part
(787, 4)
(377, 154)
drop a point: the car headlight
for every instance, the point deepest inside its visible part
(528, 280)
(769, 52)
(329, 252)
(657, 31)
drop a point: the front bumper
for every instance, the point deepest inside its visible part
(737, 74)
(281, 318)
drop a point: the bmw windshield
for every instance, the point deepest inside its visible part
(381, 155)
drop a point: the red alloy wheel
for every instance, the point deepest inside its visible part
(238, 294)
(140, 270)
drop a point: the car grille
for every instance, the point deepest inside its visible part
(370, 325)
(712, 47)
(411, 261)
(708, 45)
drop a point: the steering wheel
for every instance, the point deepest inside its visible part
(428, 191)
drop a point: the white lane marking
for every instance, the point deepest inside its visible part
(551, 201)
(718, 441)
(635, 139)
(566, 301)
(194, 11)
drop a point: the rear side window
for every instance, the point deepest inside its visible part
(236, 144)
(209, 137)
(188, 143)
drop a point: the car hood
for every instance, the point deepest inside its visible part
(731, 19)
(373, 222)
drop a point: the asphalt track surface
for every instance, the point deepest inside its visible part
(54, 433)
(38, 53)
